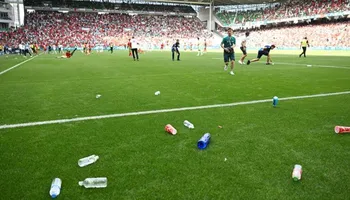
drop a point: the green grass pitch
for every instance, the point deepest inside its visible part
(141, 161)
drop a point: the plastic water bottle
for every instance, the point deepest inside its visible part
(55, 187)
(87, 160)
(204, 141)
(100, 182)
(188, 124)
(297, 171)
(170, 129)
(274, 101)
(157, 93)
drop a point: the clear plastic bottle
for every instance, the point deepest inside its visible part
(87, 160)
(297, 171)
(55, 187)
(275, 101)
(100, 182)
(188, 124)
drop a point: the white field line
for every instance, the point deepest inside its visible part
(325, 66)
(60, 121)
(19, 64)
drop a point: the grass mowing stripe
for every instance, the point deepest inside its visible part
(19, 64)
(59, 121)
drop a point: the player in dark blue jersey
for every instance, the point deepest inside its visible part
(264, 51)
(175, 49)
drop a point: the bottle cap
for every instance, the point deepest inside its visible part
(54, 196)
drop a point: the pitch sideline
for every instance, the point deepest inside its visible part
(17, 65)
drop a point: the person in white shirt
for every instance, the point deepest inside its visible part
(244, 48)
(199, 46)
(54, 49)
(134, 47)
(60, 48)
(21, 49)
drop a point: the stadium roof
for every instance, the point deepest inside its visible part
(219, 2)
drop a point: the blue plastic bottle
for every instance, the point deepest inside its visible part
(274, 101)
(204, 141)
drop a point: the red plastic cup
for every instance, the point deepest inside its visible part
(170, 129)
(341, 129)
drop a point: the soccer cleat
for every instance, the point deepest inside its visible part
(231, 72)
(248, 63)
(225, 68)
(240, 62)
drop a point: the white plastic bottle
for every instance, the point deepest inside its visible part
(188, 124)
(87, 160)
(100, 182)
(55, 187)
(297, 171)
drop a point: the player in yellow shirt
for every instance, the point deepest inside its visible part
(303, 44)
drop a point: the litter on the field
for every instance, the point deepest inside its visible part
(98, 96)
(87, 160)
(188, 124)
(308, 65)
(157, 93)
(225, 159)
(204, 141)
(341, 129)
(219, 126)
(170, 129)
(99, 182)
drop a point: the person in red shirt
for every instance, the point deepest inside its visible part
(129, 47)
(68, 54)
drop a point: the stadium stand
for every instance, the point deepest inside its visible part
(320, 34)
(287, 9)
(112, 6)
(71, 29)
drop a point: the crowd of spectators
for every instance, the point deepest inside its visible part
(287, 9)
(332, 34)
(76, 28)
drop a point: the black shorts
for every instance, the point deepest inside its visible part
(175, 50)
(244, 50)
(229, 56)
(261, 53)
